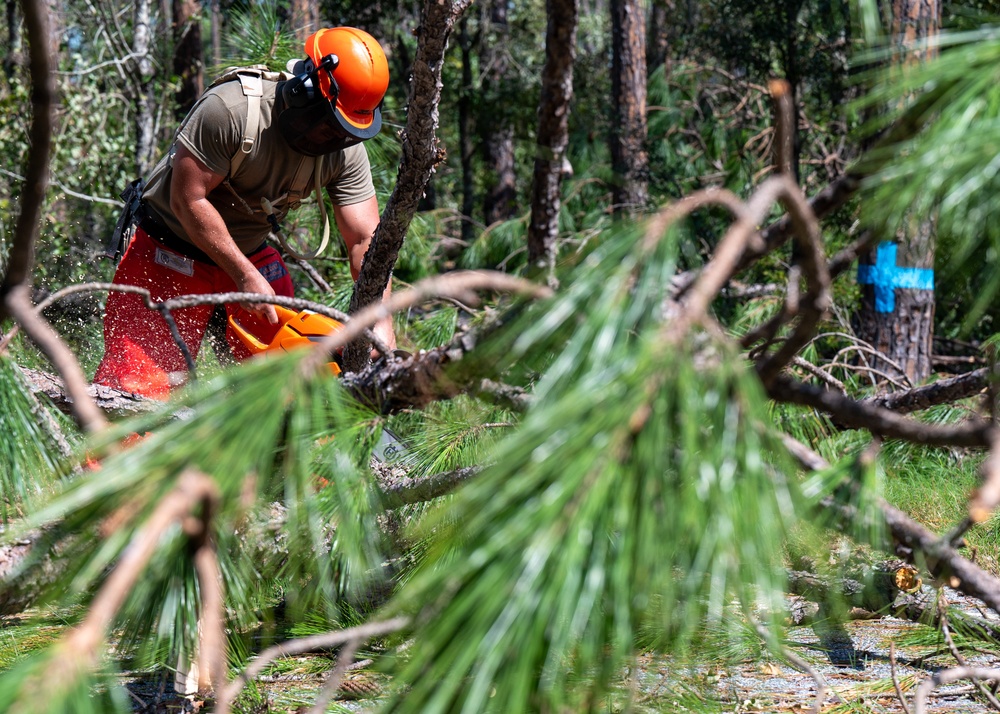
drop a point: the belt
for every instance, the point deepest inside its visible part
(154, 228)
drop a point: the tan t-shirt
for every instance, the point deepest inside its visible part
(213, 132)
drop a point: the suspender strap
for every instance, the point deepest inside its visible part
(253, 90)
(308, 167)
(280, 234)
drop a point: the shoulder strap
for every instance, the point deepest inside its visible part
(253, 89)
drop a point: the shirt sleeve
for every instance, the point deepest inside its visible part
(213, 132)
(352, 178)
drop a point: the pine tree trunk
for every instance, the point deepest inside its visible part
(629, 158)
(143, 88)
(499, 203)
(466, 130)
(305, 18)
(216, 32)
(188, 61)
(553, 132)
(420, 154)
(657, 38)
(905, 334)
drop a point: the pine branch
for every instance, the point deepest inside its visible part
(941, 392)
(301, 646)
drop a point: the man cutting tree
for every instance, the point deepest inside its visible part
(251, 148)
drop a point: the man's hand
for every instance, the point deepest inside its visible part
(254, 282)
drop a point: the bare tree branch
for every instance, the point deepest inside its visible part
(420, 490)
(459, 285)
(21, 257)
(300, 646)
(332, 683)
(859, 415)
(941, 392)
(947, 676)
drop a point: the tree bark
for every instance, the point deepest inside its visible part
(905, 335)
(553, 133)
(21, 256)
(144, 98)
(305, 18)
(466, 130)
(657, 38)
(216, 32)
(188, 61)
(629, 158)
(420, 154)
(499, 203)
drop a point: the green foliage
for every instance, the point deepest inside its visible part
(29, 462)
(257, 36)
(615, 505)
(30, 687)
(330, 544)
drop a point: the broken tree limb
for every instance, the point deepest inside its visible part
(940, 392)
(407, 491)
(914, 542)
(874, 588)
(852, 414)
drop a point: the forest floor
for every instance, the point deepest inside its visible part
(756, 682)
(865, 684)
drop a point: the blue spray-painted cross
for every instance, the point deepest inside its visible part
(886, 276)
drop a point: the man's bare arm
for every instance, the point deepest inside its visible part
(357, 223)
(190, 186)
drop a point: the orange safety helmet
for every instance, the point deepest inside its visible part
(359, 81)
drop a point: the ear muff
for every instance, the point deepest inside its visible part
(300, 90)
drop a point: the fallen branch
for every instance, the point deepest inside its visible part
(947, 676)
(420, 490)
(852, 414)
(913, 541)
(300, 646)
(941, 392)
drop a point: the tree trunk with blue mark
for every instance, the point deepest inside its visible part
(897, 307)
(905, 334)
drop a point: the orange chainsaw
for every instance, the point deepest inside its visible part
(297, 330)
(305, 329)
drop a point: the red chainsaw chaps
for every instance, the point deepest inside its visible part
(140, 355)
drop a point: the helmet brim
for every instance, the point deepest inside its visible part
(362, 132)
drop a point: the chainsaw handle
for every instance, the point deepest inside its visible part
(249, 339)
